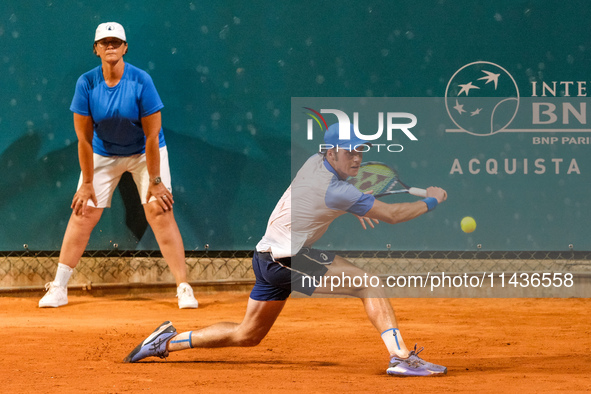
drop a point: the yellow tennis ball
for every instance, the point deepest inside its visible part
(468, 224)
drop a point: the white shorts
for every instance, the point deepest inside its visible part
(108, 171)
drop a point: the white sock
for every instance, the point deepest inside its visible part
(62, 276)
(394, 343)
(180, 342)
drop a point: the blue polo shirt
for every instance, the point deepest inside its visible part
(117, 111)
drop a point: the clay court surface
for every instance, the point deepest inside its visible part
(317, 345)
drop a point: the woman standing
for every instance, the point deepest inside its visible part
(119, 128)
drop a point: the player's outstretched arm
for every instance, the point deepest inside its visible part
(402, 212)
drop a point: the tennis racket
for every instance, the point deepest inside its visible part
(382, 180)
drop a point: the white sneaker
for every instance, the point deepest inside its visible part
(186, 298)
(55, 296)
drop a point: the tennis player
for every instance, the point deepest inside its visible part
(283, 259)
(119, 128)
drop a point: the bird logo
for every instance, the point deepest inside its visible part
(482, 98)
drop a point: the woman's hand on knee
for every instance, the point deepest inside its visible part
(80, 200)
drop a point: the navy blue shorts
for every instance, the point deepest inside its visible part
(276, 279)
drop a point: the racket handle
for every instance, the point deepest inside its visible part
(415, 191)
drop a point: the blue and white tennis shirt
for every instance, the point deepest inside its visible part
(314, 199)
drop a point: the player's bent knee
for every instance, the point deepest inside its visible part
(249, 340)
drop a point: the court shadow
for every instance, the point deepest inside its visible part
(68, 305)
(136, 299)
(304, 363)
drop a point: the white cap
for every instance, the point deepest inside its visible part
(109, 29)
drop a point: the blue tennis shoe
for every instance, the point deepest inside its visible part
(414, 366)
(154, 345)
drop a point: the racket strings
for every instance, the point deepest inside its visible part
(378, 178)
